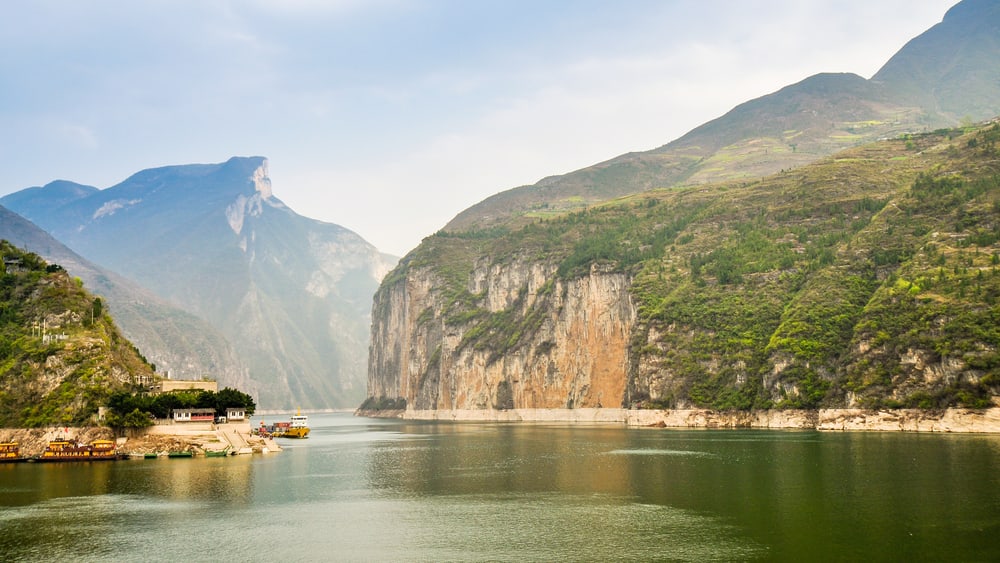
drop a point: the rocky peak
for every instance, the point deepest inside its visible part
(261, 181)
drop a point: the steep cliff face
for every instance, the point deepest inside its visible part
(867, 280)
(532, 341)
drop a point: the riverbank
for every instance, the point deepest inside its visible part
(901, 420)
(195, 438)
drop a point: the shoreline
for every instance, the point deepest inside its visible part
(197, 438)
(971, 421)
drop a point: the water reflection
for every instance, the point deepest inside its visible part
(864, 496)
(515, 492)
(68, 509)
(361, 489)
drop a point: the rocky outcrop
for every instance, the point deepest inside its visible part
(530, 340)
(899, 420)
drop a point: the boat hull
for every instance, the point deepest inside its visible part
(65, 450)
(64, 458)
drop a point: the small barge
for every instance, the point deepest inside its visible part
(10, 452)
(297, 427)
(66, 450)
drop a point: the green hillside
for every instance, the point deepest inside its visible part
(789, 128)
(61, 355)
(869, 278)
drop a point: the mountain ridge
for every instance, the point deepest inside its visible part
(747, 143)
(291, 294)
(957, 57)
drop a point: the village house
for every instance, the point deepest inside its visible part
(194, 415)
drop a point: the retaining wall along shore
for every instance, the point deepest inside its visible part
(905, 420)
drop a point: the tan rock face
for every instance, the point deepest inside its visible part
(574, 354)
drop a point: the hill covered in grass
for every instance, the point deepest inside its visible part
(61, 355)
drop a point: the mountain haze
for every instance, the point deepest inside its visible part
(290, 293)
(945, 75)
(951, 70)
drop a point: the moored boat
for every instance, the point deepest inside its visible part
(10, 452)
(66, 450)
(297, 427)
(103, 449)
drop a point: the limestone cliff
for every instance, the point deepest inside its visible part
(565, 342)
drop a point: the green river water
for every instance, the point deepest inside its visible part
(387, 490)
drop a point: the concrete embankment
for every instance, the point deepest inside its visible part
(195, 437)
(200, 437)
(905, 420)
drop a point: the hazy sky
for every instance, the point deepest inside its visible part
(390, 116)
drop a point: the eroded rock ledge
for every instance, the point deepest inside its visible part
(903, 420)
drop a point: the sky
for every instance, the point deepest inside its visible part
(389, 117)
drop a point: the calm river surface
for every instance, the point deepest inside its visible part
(388, 490)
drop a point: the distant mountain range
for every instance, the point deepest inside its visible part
(292, 295)
(946, 75)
